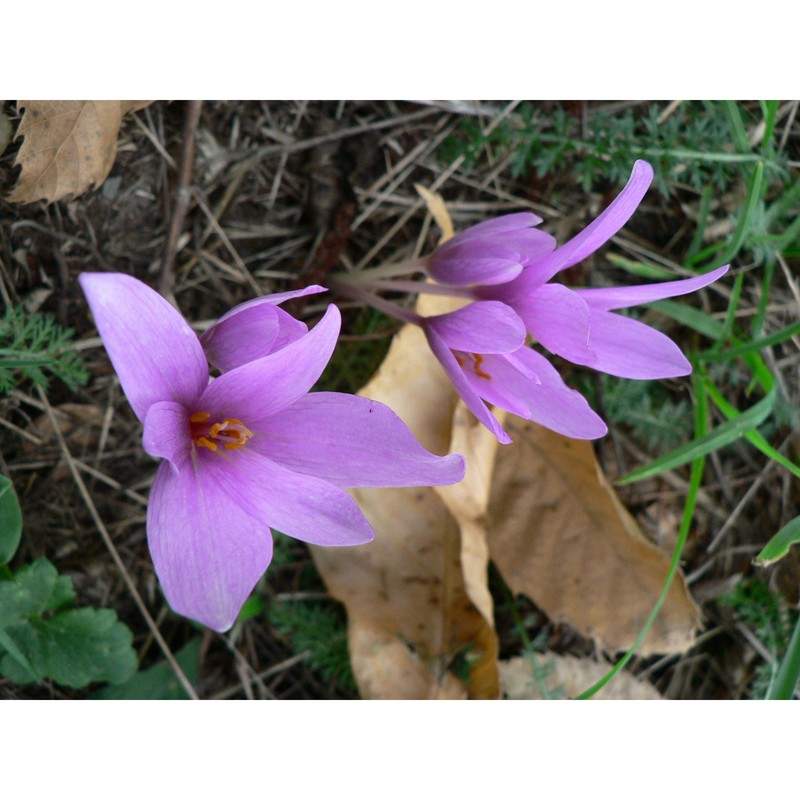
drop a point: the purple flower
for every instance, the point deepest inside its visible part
(506, 265)
(482, 349)
(251, 450)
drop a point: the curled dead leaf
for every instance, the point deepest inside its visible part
(414, 629)
(559, 534)
(553, 676)
(69, 146)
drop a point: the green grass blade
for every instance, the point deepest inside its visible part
(788, 675)
(769, 108)
(755, 193)
(720, 436)
(754, 437)
(754, 345)
(736, 124)
(691, 317)
(695, 479)
(640, 270)
(778, 546)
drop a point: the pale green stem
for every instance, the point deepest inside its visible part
(355, 292)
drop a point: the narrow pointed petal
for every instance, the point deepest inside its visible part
(253, 330)
(167, 433)
(301, 506)
(463, 386)
(627, 296)
(257, 390)
(628, 348)
(527, 385)
(243, 337)
(499, 225)
(598, 232)
(352, 442)
(559, 319)
(474, 262)
(554, 405)
(208, 551)
(155, 353)
(481, 327)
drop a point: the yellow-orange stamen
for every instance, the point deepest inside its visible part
(230, 433)
(476, 359)
(477, 367)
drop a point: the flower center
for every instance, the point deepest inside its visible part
(230, 433)
(475, 359)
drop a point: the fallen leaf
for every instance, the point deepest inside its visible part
(559, 534)
(438, 210)
(69, 146)
(413, 630)
(551, 676)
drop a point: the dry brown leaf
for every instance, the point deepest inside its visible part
(69, 146)
(559, 534)
(411, 619)
(467, 502)
(438, 210)
(565, 677)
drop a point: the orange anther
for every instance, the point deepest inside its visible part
(200, 416)
(477, 367)
(203, 442)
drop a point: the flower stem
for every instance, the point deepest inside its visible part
(419, 287)
(356, 292)
(408, 267)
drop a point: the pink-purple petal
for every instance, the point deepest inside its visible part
(481, 327)
(246, 336)
(559, 319)
(352, 442)
(463, 386)
(208, 550)
(628, 348)
(474, 262)
(167, 432)
(508, 223)
(554, 405)
(301, 506)
(600, 230)
(155, 353)
(257, 390)
(627, 296)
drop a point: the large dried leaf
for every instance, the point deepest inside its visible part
(559, 534)
(414, 630)
(553, 676)
(69, 146)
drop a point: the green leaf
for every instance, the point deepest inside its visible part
(720, 436)
(158, 682)
(778, 546)
(785, 683)
(10, 520)
(73, 647)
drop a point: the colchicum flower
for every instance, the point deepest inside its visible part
(250, 450)
(505, 265)
(482, 349)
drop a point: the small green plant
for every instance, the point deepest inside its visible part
(316, 628)
(690, 146)
(772, 621)
(41, 635)
(33, 345)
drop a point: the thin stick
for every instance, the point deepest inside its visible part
(183, 194)
(76, 476)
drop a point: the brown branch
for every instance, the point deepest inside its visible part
(183, 193)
